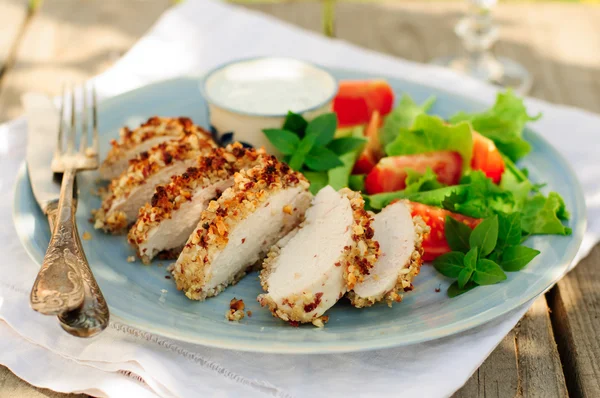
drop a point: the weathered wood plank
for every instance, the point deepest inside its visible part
(575, 304)
(13, 387)
(525, 364)
(70, 40)
(13, 14)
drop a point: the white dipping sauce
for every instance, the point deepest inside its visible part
(270, 86)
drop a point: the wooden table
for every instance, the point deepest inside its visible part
(555, 349)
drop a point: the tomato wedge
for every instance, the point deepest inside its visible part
(434, 243)
(390, 173)
(356, 101)
(487, 158)
(372, 151)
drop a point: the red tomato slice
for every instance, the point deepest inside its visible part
(372, 151)
(390, 173)
(356, 101)
(434, 243)
(487, 158)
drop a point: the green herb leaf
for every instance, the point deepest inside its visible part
(488, 273)
(485, 236)
(509, 230)
(317, 179)
(323, 128)
(471, 258)
(419, 182)
(543, 215)
(285, 141)
(431, 134)
(515, 258)
(346, 144)
(321, 159)
(457, 234)
(480, 197)
(415, 191)
(402, 116)
(464, 276)
(454, 290)
(295, 123)
(339, 177)
(503, 124)
(356, 182)
(450, 264)
(304, 147)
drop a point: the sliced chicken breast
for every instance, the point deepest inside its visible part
(235, 231)
(167, 221)
(131, 143)
(135, 186)
(399, 236)
(330, 252)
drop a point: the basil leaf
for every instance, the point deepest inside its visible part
(304, 147)
(457, 234)
(515, 258)
(323, 128)
(464, 276)
(285, 141)
(317, 179)
(356, 182)
(454, 290)
(339, 176)
(450, 264)
(295, 123)
(485, 236)
(509, 230)
(344, 145)
(488, 273)
(470, 260)
(321, 159)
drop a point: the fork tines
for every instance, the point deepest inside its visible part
(86, 158)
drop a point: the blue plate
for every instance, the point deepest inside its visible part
(144, 297)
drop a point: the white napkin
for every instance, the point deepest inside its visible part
(122, 361)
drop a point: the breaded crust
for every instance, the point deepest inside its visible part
(252, 188)
(220, 164)
(356, 259)
(140, 169)
(153, 127)
(406, 275)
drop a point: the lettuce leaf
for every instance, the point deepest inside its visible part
(544, 215)
(402, 117)
(482, 198)
(430, 134)
(415, 183)
(503, 124)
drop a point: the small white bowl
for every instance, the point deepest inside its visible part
(249, 95)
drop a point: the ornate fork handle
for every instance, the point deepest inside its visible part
(58, 287)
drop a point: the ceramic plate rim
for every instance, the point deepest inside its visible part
(579, 227)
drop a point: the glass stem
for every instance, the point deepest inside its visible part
(329, 18)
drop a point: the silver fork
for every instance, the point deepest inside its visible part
(65, 285)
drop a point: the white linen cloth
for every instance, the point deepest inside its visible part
(124, 362)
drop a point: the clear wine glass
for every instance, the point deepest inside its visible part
(479, 33)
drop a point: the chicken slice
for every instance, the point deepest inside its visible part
(167, 221)
(329, 253)
(235, 231)
(399, 236)
(131, 143)
(135, 186)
